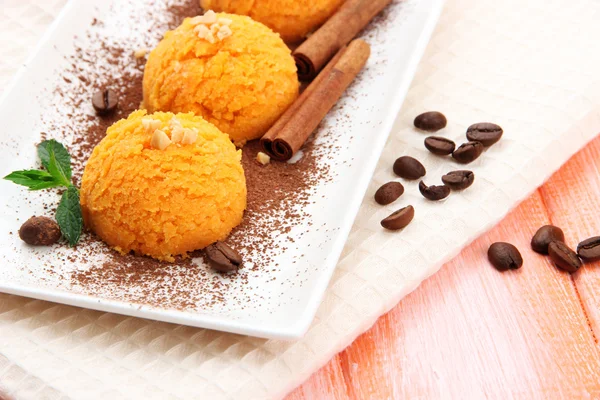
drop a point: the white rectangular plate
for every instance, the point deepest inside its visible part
(290, 292)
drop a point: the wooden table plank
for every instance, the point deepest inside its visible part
(572, 197)
(472, 332)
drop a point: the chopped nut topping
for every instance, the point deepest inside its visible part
(204, 33)
(189, 136)
(224, 32)
(208, 26)
(150, 124)
(140, 53)
(181, 135)
(160, 140)
(174, 123)
(177, 134)
(208, 18)
(263, 158)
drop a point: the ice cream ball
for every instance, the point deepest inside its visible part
(163, 185)
(233, 71)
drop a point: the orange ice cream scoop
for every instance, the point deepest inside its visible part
(292, 19)
(163, 185)
(229, 69)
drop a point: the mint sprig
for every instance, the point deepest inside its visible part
(68, 215)
(34, 179)
(51, 148)
(56, 160)
(60, 171)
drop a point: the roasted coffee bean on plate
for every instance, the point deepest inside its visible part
(105, 101)
(564, 257)
(434, 192)
(458, 180)
(504, 256)
(468, 152)
(40, 231)
(431, 121)
(222, 258)
(388, 193)
(484, 132)
(399, 219)
(439, 145)
(544, 236)
(589, 249)
(409, 168)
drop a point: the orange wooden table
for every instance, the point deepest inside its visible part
(471, 332)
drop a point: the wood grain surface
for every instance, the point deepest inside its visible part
(471, 332)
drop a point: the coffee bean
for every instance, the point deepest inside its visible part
(589, 249)
(40, 231)
(544, 236)
(439, 145)
(434, 192)
(105, 101)
(222, 258)
(409, 168)
(504, 256)
(388, 193)
(399, 219)
(484, 132)
(468, 152)
(430, 121)
(564, 257)
(459, 180)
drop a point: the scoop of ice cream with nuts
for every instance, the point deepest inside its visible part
(233, 71)
(163, 185)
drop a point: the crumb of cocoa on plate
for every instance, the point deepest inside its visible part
(278, 198)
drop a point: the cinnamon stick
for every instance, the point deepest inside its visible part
(289, 113)
(292, 129)
(342, 27)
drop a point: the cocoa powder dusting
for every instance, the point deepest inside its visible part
(278, 193)
(274, 190)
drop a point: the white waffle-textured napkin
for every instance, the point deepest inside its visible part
(529, 66)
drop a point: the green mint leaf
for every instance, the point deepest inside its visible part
(68, 215)
(62, 158)
(57, 170)
(45, 185)
(34, 179)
